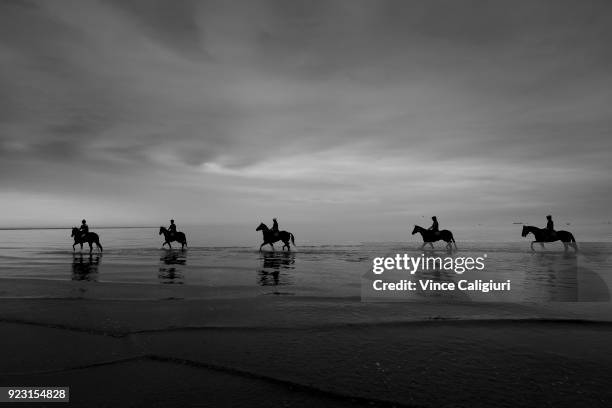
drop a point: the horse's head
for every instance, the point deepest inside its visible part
(415, 230)
(262, 227)
(75, 231)
(525, 231)
(162, 230)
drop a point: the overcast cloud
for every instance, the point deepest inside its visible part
(362, 115)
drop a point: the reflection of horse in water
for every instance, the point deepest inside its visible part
(85, 269)
(270, 237)
(542, 235)
(169, 268)
(433, 236)
(273, 263)
(564, 277)
(90, 238)
(169, 237)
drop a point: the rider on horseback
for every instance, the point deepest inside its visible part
(84, 229)
(434, 227)
(172, 228)
(550, 227)
(275, 227)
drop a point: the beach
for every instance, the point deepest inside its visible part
(140, 326)
(300, 351)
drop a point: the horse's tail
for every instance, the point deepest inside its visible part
(573, 240)
(97, 241)
(292, 239)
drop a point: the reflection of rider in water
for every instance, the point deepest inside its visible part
(172, 228)
(275, 227)
(84, 229)
(550, 226)
(434, 227)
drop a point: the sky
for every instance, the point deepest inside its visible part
(341, 118)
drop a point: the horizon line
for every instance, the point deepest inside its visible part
(58, 228)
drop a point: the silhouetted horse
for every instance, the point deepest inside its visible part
(541, 236)
(90, 238)
(178, 237)
(431, 236)
(270, 237)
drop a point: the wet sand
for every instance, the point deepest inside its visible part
(297, 351)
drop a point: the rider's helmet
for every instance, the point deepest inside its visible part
(83, 222)
(434, 218)
(549, 217)
(171, 221)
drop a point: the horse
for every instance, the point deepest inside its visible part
(432, 236)
(270, 237)
(541, 236)
(178, 237)
(90, 238)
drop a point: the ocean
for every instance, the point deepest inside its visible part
(134, 256)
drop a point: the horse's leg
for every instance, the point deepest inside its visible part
(532, 245)
(81, 247)
(261, 246)
(565, 246)
(272, 245)
(431, 245)
(90, 247)
(73, 249)
(423, 246)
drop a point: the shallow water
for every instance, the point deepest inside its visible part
(134, 256)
